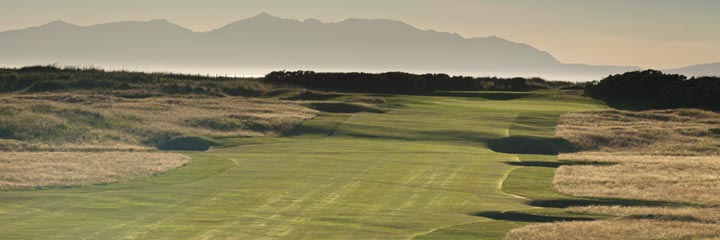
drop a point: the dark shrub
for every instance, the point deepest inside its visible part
(187, 144)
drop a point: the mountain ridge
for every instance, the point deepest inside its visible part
(269, 42)
(699, 70)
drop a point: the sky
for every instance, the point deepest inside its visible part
(659, 34)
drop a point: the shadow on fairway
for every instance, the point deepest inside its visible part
(531, 145)
(378, 132)
(548, 164)
(564, 203)
(501, 96)
(536, 164)
(331, 107)
(526, 217)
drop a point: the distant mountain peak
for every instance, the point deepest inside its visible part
(700, 70)
(264, 16)
(262, 20)
(158, 25)
(376, 20)
(160, 20)
(313, 21)
(57, 23)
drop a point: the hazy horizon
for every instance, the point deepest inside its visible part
(650, 34)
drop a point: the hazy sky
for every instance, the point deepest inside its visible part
(645, 33)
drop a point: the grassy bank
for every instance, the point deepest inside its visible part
(659, 167)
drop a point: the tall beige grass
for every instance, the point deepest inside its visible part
(666, 155)
(702, 215)
(22, 170)
(101, 138)
(660, 178)
(96, 122)
(669, 132)
(616, 229)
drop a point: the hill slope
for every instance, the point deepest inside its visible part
(710, 69)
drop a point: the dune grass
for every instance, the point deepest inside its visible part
(25, 170)
(618, 229)
(421, 170)
(668, 157)
(668, 132)
(77, 121)
(643, 177)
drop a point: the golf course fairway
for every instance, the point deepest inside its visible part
(425, 169)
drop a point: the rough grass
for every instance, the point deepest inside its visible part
(617, 229)
(659, 178)
(665, 155)
(673, 132)
(22, 170)
(80, 121)
(88, 133)
(702, 215)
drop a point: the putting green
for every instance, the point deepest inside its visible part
(421, 170)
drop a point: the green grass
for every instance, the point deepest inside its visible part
(422, 170)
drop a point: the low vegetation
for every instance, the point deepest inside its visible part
(666, 158)
(23, 170)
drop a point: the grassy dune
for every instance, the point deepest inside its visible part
(426, 170)
(79, 121)
(659, 167)
(78, 113)
(658, 132)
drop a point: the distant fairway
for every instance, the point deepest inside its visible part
(421, 170)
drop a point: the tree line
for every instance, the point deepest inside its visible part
(53, 78)
(404, 83)
(658, 89)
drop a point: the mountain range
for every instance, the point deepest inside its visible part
(264, 43)
(710, 69)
